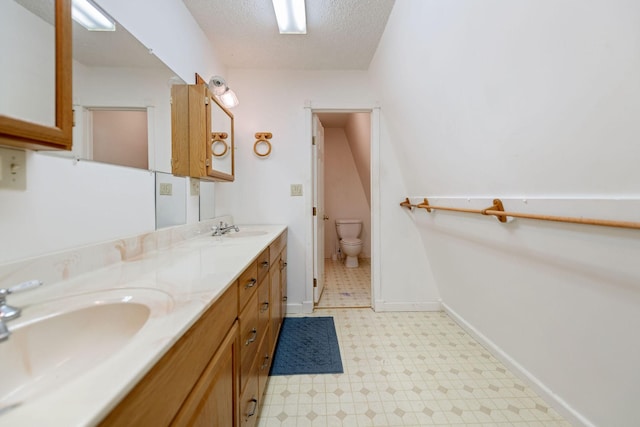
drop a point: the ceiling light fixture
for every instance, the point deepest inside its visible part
(291, 16)
(220, 90)
(89, 16)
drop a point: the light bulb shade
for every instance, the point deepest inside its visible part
(89, 16)
(229, 98)
(217, 85)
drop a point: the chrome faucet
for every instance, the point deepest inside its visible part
(223, 228)
(8, 312)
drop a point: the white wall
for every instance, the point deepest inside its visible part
(67, 205)
(344, 195)
(358, 131)
(274, 101)
(526, 100)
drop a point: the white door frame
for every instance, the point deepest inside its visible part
(311, 108)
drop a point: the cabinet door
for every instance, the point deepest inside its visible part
(283, 283)
(276, 296)
(214, 400)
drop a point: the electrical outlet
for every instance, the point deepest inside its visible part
(166, 188)
(296, 189)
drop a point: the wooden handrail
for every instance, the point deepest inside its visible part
(498, 211)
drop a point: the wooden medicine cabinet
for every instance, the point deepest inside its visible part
(36, 110)
(202, 134)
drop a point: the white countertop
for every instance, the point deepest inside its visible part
(190, 276)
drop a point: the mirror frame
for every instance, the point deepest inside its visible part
(23, 134)
(211, 173)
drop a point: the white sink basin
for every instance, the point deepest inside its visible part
(57, 341)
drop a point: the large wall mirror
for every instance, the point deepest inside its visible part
(121, 98)
(121, 92)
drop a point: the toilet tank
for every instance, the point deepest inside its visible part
(348, 228)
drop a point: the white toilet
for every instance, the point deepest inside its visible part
(348, 231)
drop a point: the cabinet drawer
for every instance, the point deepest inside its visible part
(250, 336)
(263, 264)
(249, 403)
(247, 285)
(276, 247)
(264, 305)
(264, 359)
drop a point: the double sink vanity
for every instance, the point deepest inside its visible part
(175, 327)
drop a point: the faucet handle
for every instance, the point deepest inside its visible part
(29, 284)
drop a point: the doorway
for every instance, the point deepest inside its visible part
(342, 190)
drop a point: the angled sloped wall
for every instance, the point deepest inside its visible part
(536, 103)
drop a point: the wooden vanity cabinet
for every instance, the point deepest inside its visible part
(212, 400)
(159, 396)
(217, 373)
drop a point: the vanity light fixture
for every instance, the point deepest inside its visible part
(219, 88)
(91, 17)
(291, 16)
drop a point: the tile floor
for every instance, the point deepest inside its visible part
(346, 287)
(405, 369)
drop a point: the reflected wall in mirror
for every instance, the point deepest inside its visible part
(35, 76)
(207, 206)
(171, 200)
(221, 154)
(116, 80)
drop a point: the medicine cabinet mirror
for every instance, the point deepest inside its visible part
(35, 77)
(202, 129)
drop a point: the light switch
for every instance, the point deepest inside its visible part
(166, 188)
(13, 169)
(296, 189)
(195, 187)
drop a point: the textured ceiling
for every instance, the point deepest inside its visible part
(341, 34)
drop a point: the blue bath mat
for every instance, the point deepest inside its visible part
(307, 345)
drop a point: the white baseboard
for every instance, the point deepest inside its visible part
(563, 408)
(381, 306)
(305, 307)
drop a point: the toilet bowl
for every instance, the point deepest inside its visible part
(348, 232)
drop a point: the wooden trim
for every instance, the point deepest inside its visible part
(497, 211)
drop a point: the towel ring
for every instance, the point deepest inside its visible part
(263, 139)
(218, 138)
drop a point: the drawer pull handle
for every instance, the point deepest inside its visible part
(254, 336)
(265, 264)
(251, 283)
(284, 265)
(252, 412)
(265, 363)
(284, 299)
(265, 307)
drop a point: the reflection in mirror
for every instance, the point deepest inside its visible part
(27, 81)
(207, 210)
(171, 200)
(222, 139)
(121, 97)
